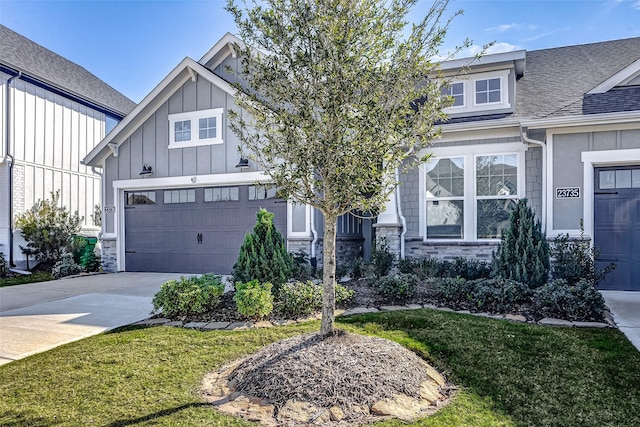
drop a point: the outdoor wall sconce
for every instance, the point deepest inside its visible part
(146, 170)
(243, 163)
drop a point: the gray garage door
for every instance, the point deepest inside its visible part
(617, 225)
(196, 230)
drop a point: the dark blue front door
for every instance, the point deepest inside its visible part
(617, 225)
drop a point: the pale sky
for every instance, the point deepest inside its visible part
(133, 45)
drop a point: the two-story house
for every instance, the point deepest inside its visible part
(560, 127)
(52, 113)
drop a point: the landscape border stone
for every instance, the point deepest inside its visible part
(511, 317)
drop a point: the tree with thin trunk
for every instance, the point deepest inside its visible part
(334, 96)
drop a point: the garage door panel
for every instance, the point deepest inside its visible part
(164, 237)
(617, 231)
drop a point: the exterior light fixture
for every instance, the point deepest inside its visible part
(146, 170)
(243, 163)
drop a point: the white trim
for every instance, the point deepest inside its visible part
(469, 153)
(495, 58)
(227, 39)
(593, 159)
(619, 78)
(194, 117)
(307, 222)
(585, 120)
(469, 93)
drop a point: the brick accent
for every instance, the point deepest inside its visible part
(18, 189)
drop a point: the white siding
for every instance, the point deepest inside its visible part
(50, 136)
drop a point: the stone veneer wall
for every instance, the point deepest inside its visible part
(446, 251)
(347, 249)
(109, 255)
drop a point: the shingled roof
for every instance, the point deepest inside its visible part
(556, 81)
(39, 63)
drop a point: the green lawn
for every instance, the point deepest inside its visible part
(39, 276)
(509, 374)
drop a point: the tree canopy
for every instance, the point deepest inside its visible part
(334, 96)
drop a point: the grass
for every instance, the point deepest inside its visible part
(509, 374)
(39, 276)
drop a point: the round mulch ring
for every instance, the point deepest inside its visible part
(344, 378)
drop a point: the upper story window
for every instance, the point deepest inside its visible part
(487, 91)
(456, 91)
(195, 128)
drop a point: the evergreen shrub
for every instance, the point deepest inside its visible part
(575, 259)
(303, 298)
(4, 266)
(397, 287)
(381, 258)
(188, 296)
(66, 266)
(468, 269)
(254, 299)
(559, 298)
(498, 295)
(523, 254)
(263, 255)
(48, 229)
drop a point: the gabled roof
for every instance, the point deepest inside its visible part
(556, 80)
(18, 53)
(185, 70)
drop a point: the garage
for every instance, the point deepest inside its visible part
(617, 225)
(194, 230)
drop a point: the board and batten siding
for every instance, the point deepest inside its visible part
(149, 143)
(51, 135)
(567, 168)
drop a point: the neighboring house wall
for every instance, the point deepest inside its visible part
(50, 134)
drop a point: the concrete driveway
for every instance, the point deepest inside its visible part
(625, 308)
(39, 316)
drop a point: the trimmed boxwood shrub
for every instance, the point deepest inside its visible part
(254, 299)
(498, 295)
(397, 287)
(468, 269)
(188, 296)
(576, 302)
(303, 298)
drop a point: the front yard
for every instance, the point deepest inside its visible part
(508, 374)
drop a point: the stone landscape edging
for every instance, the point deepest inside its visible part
(518, 318)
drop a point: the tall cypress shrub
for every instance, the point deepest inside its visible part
(263, 255)
(523, 254)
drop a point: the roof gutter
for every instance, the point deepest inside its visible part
(586, 120)
(9, 156)
(543, 195)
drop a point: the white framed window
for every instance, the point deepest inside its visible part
(444, 181)
(298, 223)
(479, 92)
(488, 91)
(468, 192)
(195, 128)
(456, 91)
(496, 193)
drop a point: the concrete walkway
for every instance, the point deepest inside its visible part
(39, 316)
(625, 308)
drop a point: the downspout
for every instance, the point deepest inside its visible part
(542, 144)
(314, 242)
(9, 156)
(403, 220)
